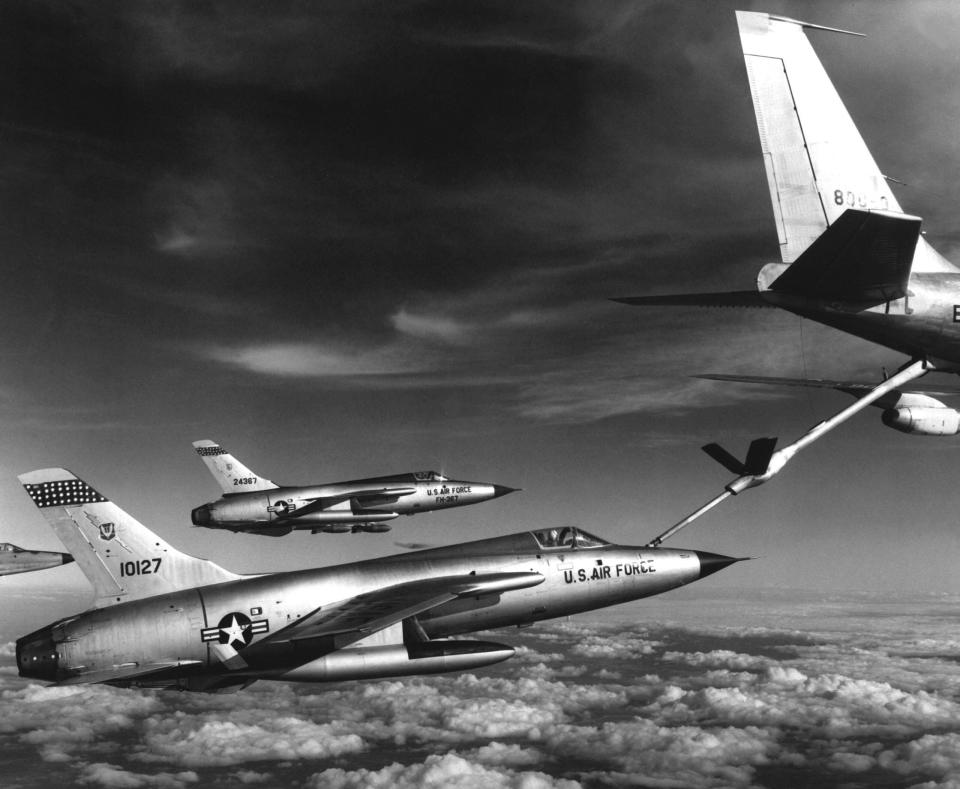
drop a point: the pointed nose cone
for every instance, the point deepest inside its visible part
(713, 562)
(502, 490)
(66, 558)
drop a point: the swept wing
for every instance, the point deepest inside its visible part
(853, 388)
(363, 498)
(338, 625)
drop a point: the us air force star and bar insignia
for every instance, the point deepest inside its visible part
(235, 630)
(63, 493)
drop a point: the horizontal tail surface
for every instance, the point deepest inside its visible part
(863, 257)
(737, 298)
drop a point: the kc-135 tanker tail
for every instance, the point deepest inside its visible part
(850, 257)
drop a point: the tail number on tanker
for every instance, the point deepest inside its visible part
(605, 572)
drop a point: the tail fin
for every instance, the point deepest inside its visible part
(121, 557)
(817, 163)
(230, 473)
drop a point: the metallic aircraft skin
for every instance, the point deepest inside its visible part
(14, 559)
(382, 617)
(913, 412)
(921, 325)
(851, 258)
(257, 505)
(878, 278)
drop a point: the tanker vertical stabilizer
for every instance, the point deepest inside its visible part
(817, 163)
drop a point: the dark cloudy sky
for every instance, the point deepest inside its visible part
(348, 239)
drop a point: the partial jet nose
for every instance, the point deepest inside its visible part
(200, 516)
(713, 562)
(503, 490)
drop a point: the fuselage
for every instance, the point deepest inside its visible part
(582, 575)
(323, 507)
(924, 324)
(18, 560)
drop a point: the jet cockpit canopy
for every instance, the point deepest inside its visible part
(568, 537)
(429, 476)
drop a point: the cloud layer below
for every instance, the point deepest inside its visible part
(828, 692)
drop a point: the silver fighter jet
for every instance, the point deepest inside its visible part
(254, 504)
(851, 258)
(164, 619)
(14, 559)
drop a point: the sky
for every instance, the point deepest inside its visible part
(359, 238)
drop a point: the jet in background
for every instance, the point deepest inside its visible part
(164, 619)
(14, 559)
(851, 258)
(256, 505)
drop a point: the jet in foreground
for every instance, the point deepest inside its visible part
(254, 504)
(14, 559)
(163, 619)
(851, 258)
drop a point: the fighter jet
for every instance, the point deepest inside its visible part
(851, 258)
(164, 619)
(14, 559)
(256, 505)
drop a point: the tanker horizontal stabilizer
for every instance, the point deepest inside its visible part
(738, 298)
(864, 257)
